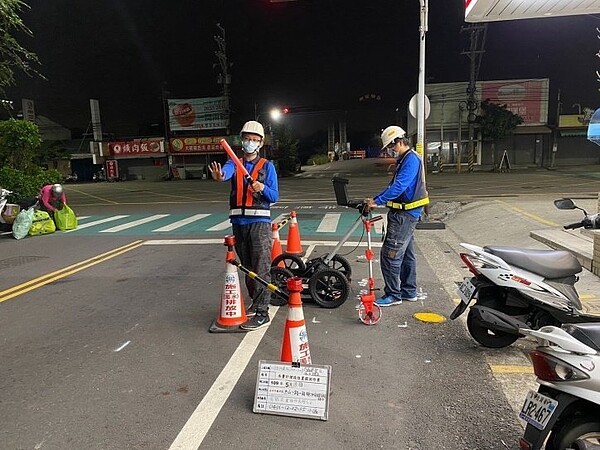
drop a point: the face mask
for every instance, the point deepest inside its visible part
(392, 153)
(250, 146)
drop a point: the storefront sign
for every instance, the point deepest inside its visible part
(209, 144)
(136, 148)
(209, 113)
(527, 98)
(112, 169)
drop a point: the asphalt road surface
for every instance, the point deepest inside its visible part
(105, 341)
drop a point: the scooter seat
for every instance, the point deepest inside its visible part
(587, 333)
(547, 263)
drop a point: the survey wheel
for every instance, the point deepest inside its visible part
(279, 277)
(369, 318)
(291, 262)
(338, 262)
(329, 288)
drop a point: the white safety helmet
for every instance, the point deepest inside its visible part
(390, 134)
(254, 127)
(57, 189)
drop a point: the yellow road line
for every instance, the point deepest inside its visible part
(65, 272)
(510, 369)
(93, 196)
(527, 214)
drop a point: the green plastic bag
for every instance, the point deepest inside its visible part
(22, 223)
(42, 224)
(65, 219)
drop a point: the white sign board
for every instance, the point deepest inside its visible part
(291, 389)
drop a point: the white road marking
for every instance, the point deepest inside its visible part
(181, 223)
(220, 241)
(329, 223)
(193, 432)
(135, 223)
(221, 226)
(97, 222)
(82, 217)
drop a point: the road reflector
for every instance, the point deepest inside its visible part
(429, 317)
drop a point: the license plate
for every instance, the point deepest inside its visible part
(466, 289)
(538, 409)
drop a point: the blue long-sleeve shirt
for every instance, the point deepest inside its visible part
(270, 192)
(404, 184)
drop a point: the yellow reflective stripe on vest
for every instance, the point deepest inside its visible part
(405, 206)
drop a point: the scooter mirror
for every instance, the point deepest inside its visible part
(564, 203)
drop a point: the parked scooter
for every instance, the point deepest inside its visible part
(564, 413)
(517, 288)
(8, 211)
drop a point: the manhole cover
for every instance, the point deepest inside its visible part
(18, 261)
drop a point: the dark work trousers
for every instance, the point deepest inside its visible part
(253, 244)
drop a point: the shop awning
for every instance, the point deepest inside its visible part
(535, 129)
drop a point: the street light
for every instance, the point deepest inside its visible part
(275, 114)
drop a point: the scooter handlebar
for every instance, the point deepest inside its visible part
(572, 226)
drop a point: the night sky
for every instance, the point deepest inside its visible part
(310, 55)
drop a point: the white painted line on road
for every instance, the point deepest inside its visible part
(194, 431)
(82, 217)
(329, 223)
(221, 226)
(196, 428)
(97, 222)
(220, 241)
(181, 223)
(135, 223)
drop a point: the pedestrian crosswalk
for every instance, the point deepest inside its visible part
(210, 224)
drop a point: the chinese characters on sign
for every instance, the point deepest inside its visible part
(230, 302)
(136, 148)
(207, 113)
(289, 389)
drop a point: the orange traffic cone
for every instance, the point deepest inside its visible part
(293, 241)
(276, 249)
(232, 310)
(294, 347)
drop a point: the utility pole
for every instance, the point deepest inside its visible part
(477, 34)
(421, 84)
(556, 131)
(224, 77)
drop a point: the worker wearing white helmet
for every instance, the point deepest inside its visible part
(404, 197)
(250, 217)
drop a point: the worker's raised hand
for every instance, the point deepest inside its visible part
(215, 171)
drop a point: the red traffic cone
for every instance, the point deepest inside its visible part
(294, 246)
(232, 310)
(276, 249)
(294, 347)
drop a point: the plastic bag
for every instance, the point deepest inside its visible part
(22, 223)
(65, 219)
(42, 224)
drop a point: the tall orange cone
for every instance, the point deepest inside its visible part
(294, 347)
(232, 310)
(293, 241)
(276, 249)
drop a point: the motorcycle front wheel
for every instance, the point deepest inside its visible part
(485, 336)
(586, 429)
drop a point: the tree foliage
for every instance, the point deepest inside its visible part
(495, 123)
(13, 56)
(19, 143)
(288, 148)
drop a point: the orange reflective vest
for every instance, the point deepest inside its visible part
(243, 202)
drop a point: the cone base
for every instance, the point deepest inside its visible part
(218, 328)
